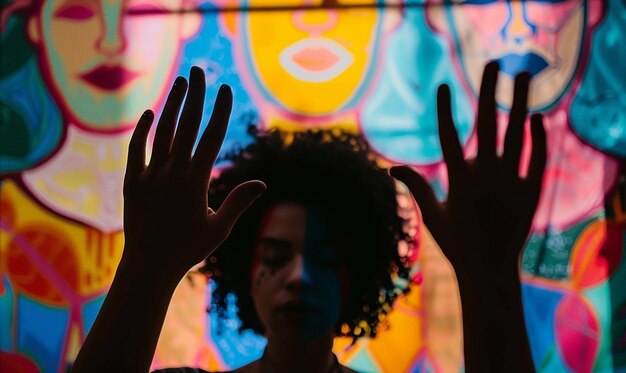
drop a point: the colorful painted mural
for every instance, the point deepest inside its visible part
(75, 76)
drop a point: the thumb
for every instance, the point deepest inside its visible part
(424, 196)
(237, 201)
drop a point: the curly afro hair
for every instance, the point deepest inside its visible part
(336, 172)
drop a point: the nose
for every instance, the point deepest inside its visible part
(112, 40)
(299, 276)
(517, 27)
(315, 22)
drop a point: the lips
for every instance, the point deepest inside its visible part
(109, 78)
(315, 59)
(513, 64)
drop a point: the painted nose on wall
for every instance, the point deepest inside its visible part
(517, 27)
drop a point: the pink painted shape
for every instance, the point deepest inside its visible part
(576, 180)
(315, 59)
(577, 333)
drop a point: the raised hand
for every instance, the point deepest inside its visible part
(485, 221)
(167, 222)
(168, 226)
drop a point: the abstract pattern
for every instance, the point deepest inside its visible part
(79, 74)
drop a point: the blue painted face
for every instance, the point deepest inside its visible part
(514, 63)
(399, 119)
(296, 281)
(542, 37)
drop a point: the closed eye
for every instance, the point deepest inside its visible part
(274, 262)
(274, 252)
(146, 9)
(271, 243)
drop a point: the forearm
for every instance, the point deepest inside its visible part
(124, 336)
(494, 330)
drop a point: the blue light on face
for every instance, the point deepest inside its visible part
(320, 272)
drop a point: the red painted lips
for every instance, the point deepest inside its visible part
(109, 78)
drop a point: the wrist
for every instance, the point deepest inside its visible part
(494, 325)
(144, 273)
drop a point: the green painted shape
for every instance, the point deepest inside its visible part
(15, 44)
(548, 255)
(14, 135)
(362, 362)
(608, 300)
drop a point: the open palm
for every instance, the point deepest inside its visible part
(484, 223)
(167, 222)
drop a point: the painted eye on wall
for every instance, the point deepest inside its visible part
(487, 2)
(358, 2)
(75, 12)
(474, 2)
(147, 9)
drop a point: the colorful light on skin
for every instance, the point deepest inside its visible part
(104, 62)
(297, 286)
(543, 37)
(307, 62)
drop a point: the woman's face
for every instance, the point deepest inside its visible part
(107, 60)
(299, 54)
(298, 287)
(542, 37)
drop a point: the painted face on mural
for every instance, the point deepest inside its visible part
(112, 55)
(309, 62)
(543, 37)
(296, 280)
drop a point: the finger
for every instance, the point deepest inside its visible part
(137, 146)
(167, 122)
(424, 197)
(237, 201)
(449, 139)
(538, 156)
(486, 123)
(213, 136)
(190, 118)
(515, 132)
